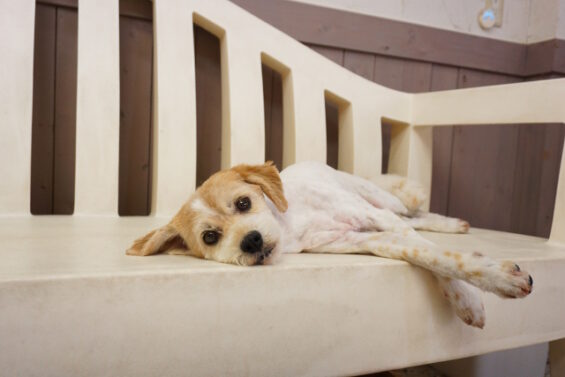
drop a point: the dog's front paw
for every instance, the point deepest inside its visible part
(514, 282)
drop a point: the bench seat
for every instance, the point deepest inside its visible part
(67, 288)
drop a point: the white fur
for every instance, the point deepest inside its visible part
(334, 212)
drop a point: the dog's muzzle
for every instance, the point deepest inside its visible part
(252, 243)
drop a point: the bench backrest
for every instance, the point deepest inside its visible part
(246, 42)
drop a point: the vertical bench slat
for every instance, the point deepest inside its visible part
(305, 136)
(98, 128)
(411, 155)
(174, 131)
(243, 121)
(366, 144)
(16, 83)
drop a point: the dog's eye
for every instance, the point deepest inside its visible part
(243, 204)
(210, 237)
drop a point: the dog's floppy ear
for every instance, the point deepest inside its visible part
(267, 177)
(157, 241)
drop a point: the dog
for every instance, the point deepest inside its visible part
(250, 215)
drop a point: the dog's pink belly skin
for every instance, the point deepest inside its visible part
(323, 205)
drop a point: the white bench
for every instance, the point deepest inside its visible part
(72, 303)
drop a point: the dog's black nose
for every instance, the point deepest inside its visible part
(252, 242)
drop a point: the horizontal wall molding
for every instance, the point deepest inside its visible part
(347, 30)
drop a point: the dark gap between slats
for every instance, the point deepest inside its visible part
(273, 105)
(136, 115)
(332, 133)
(208, 104)
(54, 110)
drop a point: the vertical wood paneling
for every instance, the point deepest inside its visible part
(483, 163)
(527, 178)
(65, 112)
(136, 68)
(208, 104)
(360, 63)
(273, 102)
(332, 133)
(43, 118)
(334, 54)
(551, 153)
(443, 78)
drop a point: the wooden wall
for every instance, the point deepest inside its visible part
(499, 177)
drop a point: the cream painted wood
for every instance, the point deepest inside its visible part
(243, 119)
(83, 305)
(528, 102)
(98, 112)
(411, 155)
(174, 128)
(16, 82)
(309, 116)
(66, 287)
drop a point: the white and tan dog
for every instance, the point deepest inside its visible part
(248, 215)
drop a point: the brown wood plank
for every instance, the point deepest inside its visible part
(551, 156)
(272, 96)
(388, 72)
(208, 104)
(416, 76)
(60, 3)
(354, 31)
(483, 163)
(137, 8)
(360, 63)
(267, 76)
(443, 78)
(332, 134)
(65, 112)
(43, 111)
(334, 54)
(527, 178)
(136, 70)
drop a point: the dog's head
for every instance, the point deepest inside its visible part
(228, 219)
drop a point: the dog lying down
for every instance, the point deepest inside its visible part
(249, 215)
